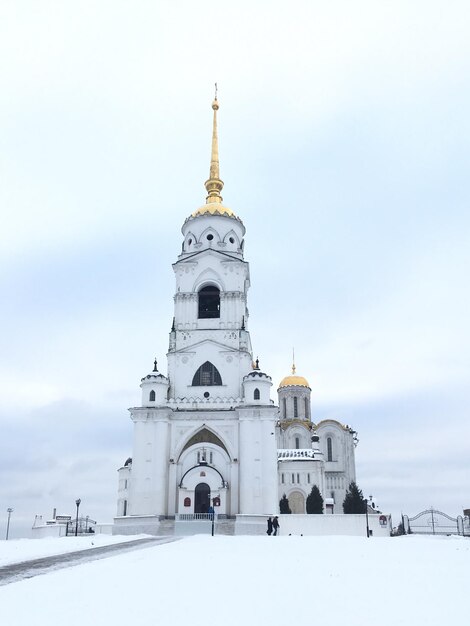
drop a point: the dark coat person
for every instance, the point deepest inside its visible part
(270, 526)
(276, 525)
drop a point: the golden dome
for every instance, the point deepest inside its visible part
(213, 208)
(288, 381)
(293, 379)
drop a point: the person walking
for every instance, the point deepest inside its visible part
(270, 526)
(276, 525)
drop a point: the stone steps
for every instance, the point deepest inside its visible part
(224, 527)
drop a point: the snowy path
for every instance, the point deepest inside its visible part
(27, 569)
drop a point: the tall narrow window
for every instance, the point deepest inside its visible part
(152, 396)
(296, 408)
(329, 449)
(256, 394)
(297, 443)
(207, 375)
(209, 302)
(306, 408)
(124, 508)
(284, 406)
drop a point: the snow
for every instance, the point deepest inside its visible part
(17, 550)
(246, 581)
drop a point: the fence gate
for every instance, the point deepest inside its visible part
(433, 522)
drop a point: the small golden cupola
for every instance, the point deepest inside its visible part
(293, 380)
(294, 397)
(214, 184)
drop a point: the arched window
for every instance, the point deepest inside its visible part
(207, 375)
(256, 394)
(306, 407)
(329, 449)
(296, 408)
(297, 443)
(284, 406)
(152, 396)
(209, 302)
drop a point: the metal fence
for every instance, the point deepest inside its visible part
(434, 522)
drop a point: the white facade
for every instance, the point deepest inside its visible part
(208, 433)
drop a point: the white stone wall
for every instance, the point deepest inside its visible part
(316, 525)
(48, 530)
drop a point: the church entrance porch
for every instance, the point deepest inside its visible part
(200, 488)
(202, 498)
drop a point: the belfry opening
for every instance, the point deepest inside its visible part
(209, 302)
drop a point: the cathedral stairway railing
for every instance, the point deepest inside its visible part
(190, 517)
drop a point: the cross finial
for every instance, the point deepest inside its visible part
(215, 96)
(293, 361)
(257, 363)
(155, 366)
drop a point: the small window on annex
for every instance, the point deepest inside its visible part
(256, 394)
(206, 376)
(297, 443)
(296, 408)
(209, 302)
(152, 396)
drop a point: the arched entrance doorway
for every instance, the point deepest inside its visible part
(202, 498)
(297, 502)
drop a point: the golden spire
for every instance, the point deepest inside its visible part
(214, 185)
(293, 362)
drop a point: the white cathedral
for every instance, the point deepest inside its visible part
(208, 434)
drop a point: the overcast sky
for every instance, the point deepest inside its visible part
(344, 145)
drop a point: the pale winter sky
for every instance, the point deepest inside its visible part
(344, 146)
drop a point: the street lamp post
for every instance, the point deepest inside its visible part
(367, 518)
(9, 511)
(213, 513)
(77, 502)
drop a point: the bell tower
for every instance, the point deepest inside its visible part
(210, 349)
(204, 436)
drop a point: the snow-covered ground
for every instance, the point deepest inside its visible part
(245, 581)
(17, 550)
